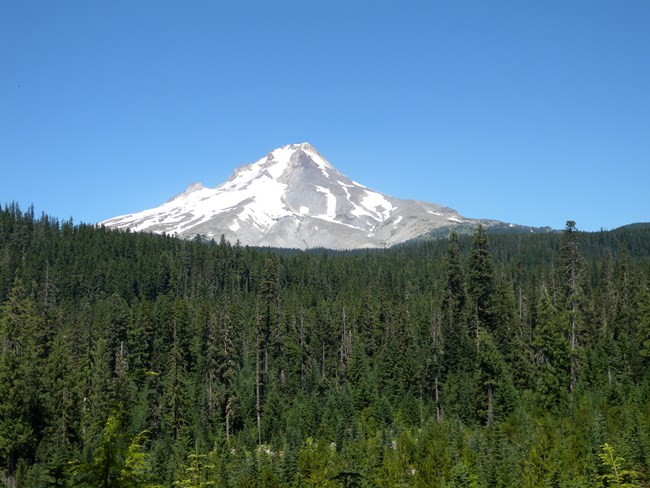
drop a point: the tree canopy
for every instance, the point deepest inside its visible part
(481, 360)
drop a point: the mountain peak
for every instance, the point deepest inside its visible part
(290, 149)
(285, 161)
(301, 145)
(293, 198)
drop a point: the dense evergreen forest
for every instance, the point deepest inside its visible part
(474, 361)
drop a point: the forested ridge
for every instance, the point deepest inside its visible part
(494, 360)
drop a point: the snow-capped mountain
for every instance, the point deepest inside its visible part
(293, 198)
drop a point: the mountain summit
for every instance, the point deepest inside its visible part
(293, 198)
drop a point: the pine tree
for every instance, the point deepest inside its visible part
(455, 341)
(227, 364)
(59, 380)
(117, 462)
(480, 282)
(199, 471)
(360, 379)
(552, 352)
(98, 393)
(270, 295)
(616, 474)
(491, 370)
(436, 363)
(572, 282)
(211, 365)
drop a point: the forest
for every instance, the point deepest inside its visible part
(477, 360)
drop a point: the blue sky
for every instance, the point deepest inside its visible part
(526, 112)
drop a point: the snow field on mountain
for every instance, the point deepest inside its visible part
(277, 201)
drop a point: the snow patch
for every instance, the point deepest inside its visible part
(278, 161)
(377, 204)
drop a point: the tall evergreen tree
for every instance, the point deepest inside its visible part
(455, 341)
(480, 282)
(552, 353)
(270, 294)
(572, 283)
(228, 368)
(491, 370)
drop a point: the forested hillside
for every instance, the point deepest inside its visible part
(475, 361)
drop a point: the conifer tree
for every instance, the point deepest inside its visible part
(117, 462)
(552, 353)
(571, 281)
(176, 400)
(480, 282)
(616, 474)
(211, 365)
(61, 399)
(227, 364)
(270, 294)
(436, 361)
(455, 340)
(491, 373)
(199, 471)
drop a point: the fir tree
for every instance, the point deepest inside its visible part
(571, 281)
(480, 282)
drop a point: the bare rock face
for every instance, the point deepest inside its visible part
(293, 198)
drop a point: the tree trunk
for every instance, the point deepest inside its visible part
(478, 328)
(436, 334)
(439, 412)
(302, 348)
(257, 393)
(490, 404)
(10, 479)
(228, 415)
(574, 368)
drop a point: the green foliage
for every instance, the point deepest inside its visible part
(115, 462)
(19, 362)
(480, 282)
(615, 473)
(198, 472)
(552, 353)
(484, 360)
(317, 463)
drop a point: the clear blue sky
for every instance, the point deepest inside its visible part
(531, 112)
